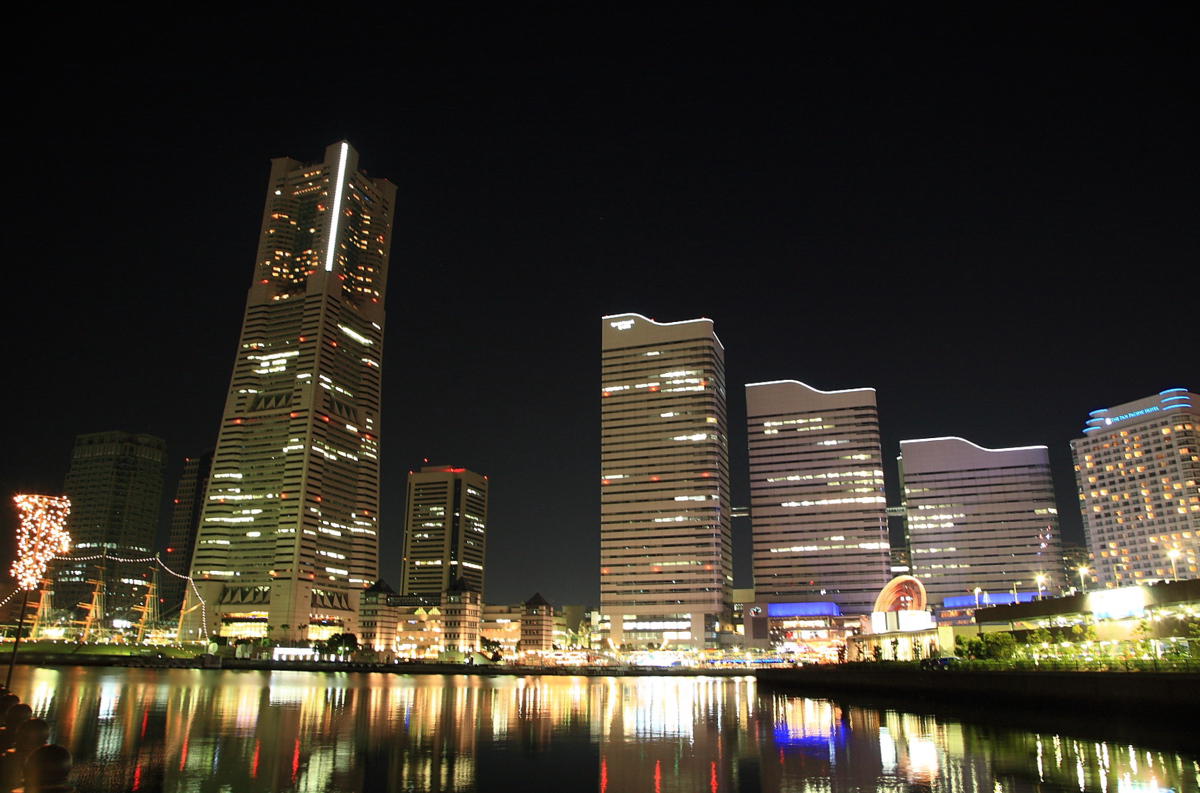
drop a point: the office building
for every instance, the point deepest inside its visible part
(445, 530)
(185, 522)
(666, 571)
(115, 484)
(289, 532)
(980, 518)
(1138, 471)
(818, 510)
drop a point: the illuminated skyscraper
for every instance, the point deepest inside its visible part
(980, 518)
(289, 532)
(185, 521)
(1138, 471)
(115, 485)
(816, 495)
(666, 570)
(445, 531)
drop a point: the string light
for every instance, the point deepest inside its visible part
(41, 536)
(188, 578)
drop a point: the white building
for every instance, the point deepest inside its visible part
(980, 518)
(288, 536)
(666, 570)
(1138, 471)
(817, 495)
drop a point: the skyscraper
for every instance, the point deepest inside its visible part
(115, 485)
(289, 532)
(816, 495)
(185, 520)
(666, 570)
(980, 518)
(445, 531)
(1138, 471)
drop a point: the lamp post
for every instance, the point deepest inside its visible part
(1082, 572)
(1173, 554)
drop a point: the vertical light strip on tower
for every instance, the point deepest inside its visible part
(337, 207)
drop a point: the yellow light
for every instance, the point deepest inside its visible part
(41, 536)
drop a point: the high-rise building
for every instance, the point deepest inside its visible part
(115, 485)
(818, 509)
(980, 518)
(289, 532)
(185, 521)
(1138, 471)
(445, 531)
(666, 568)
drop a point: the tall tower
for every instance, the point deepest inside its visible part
(445, 531)
(289, 532)
(980, 518)
(115, 485)
(816, 493)
(185, 520)
(1138, 471)
(666, 561)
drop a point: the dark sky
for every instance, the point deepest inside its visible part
(989, 218)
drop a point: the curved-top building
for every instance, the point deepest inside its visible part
(666, 548)
(817, 499)
(980, 518)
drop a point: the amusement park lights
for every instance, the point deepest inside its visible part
(41, 536)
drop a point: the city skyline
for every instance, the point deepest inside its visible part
(954, 263)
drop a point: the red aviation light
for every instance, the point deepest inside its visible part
(170, 550)
(302, 338)
(604, 482)
(318, 498)
(654, 388)
(333, 344)
(605, 394)
(654, 479)
(283, 495)
(237, 421)
(176, 501)
(325, 419)
(293, 415)
(706, 474)
(264, 281)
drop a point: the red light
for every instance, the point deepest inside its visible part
(283, 495)
(265, 281)
(706, 474)
(605, 394)
(604, 481)
(319, 498)
(333, 344)
(170, 550)
(237, 421)
(293, 415)
(176, 501)
(302, 338)
(325, 418)
(654, 388)
(654, 479)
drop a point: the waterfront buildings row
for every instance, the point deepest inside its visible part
(978, 522)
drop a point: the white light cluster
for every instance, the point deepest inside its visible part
(41, 536)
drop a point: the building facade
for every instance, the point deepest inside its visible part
(537, 625)
(980, 518)
(1137, 467)
(289, 531)
(818, 509)
(666, 571)
(445, 530)
(115, 484)
(185, 523)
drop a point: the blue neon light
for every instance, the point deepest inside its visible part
(1180, 405)
(1090, 429)
(1094, 412)
(987, 599)
(1169, 390)
(820, 609)
(1174, 398)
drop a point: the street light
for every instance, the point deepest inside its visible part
(1173, 554)
(1041, 582)
(1082, 572)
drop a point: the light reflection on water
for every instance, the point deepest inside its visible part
(193, 730)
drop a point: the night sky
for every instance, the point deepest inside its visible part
(991, 219)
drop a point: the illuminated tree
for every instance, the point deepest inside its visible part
(41, 536)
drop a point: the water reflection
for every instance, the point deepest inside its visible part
(192, 730)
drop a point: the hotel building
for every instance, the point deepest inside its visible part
(1138, 471)
(115, 485)
(288, 536)
(445, 531)
(666, 571)
(980, 518)
(817, 500)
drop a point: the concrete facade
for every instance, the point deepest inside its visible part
(666, 570)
